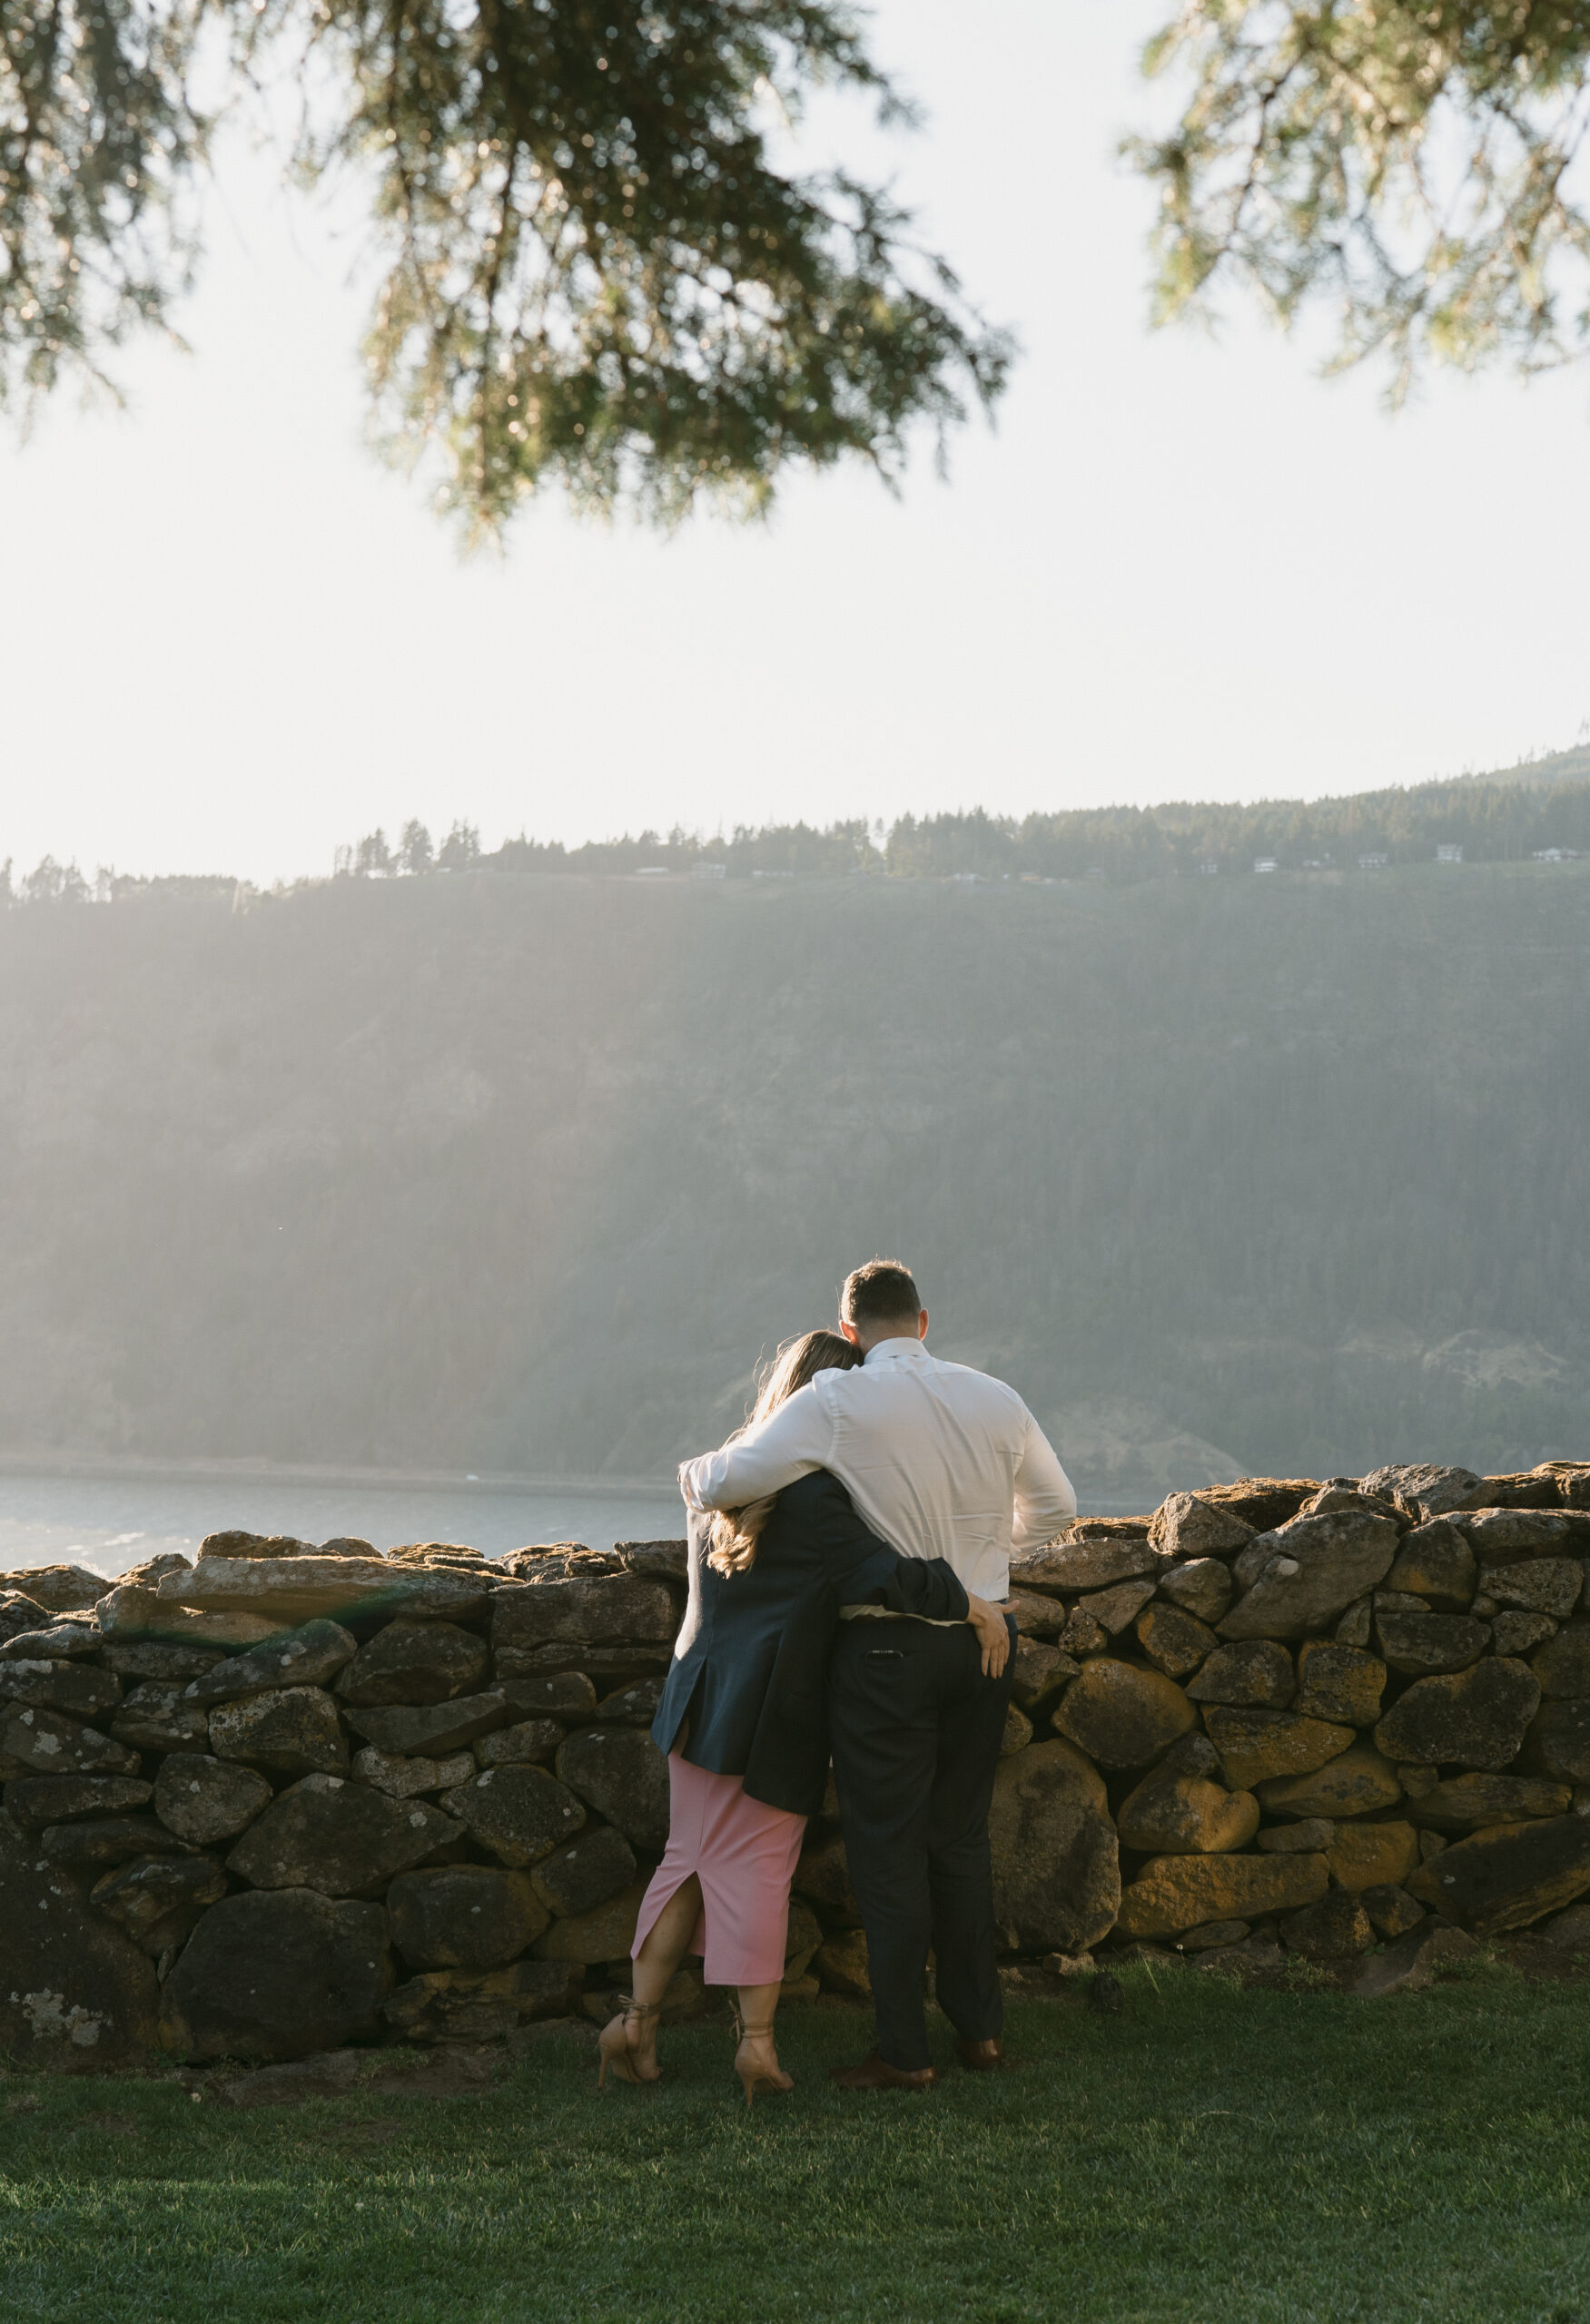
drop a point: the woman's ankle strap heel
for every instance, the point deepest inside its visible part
(613, 2047)
(754, 2079)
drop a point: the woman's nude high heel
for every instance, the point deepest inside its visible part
(754, 2077)
(614, 2047)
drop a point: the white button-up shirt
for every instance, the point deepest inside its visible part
(941, 1461)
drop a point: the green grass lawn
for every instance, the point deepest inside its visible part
(1209, 2157)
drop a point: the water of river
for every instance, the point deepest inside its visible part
(111, 1522)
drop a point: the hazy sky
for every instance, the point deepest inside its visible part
(1177, 568)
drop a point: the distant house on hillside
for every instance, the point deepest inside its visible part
(1449, 855)
(1207, 866)
(1373, 863)
(1557, 854)
(1265, 864)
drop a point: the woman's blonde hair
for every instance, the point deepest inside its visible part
(737, 1531)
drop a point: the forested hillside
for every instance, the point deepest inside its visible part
(513, 1173)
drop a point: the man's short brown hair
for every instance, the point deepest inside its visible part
(883, 1292)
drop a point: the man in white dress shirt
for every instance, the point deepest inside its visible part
(941, 1461)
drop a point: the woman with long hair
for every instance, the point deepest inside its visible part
(742, 1719)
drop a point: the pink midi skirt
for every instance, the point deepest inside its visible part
(745, 1857)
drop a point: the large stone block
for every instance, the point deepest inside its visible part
(531, 1742)
(1257, 1746)
(64, 1637)
(133, 1615)
(292, 1730)
(1434, 1488)
(607, 1665)
(47, 1743)
(604, 1932)
(1562, 1666)
(342, 1838)
(1339, 1682)
(566, 1694)
(824, 1875)
(1416, 1643)
(415, 1662)
(158, 1899)
(1508, 1875)
(76, 1688)
(152, 1572)
(76, 1997)
(520, 1814)
(1116, 1608)
(1255, 1672)
(411, 1778)
(1517, 1633)
(1179, 1811)
(463, 1916)
(1187, 1525)
(91, 1842)
(1175, 1893)
(1068, 1566)
(18, 1614)
(301, 1658)
(1373, 1856)
(1337, 1929)
(1262, 1502)
(237, 1543)
(656, 1561)
(842, 1964)
(277, 1974)
(620, 1773)
(1312, 1569)
(1357, 1782)
(1035, 1615)
(1436, 1563)
(467, 2006)
(1558, 1741)
(156, 1716)
(1476, 1718)
(39, 1800)
(430, 1729)
(1468, 1803)
(1507, 1536)
(155, 1658)
(290, 1590)
(1122, 1717)
(586, 1873)
(205, 1799)
(58, 1588)
(1538, 1585)
(1174, 1641)
(1203, 1588)
(1056, 1868)
(603, 1610)
(1040, 1672)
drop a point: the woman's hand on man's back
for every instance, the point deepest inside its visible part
(992, 1636)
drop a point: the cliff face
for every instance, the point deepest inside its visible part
(524, 1172)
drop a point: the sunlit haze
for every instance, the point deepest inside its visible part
(1176, 567)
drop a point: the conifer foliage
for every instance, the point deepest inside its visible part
(1418, 165)
(598, 271)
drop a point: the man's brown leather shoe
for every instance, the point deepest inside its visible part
(877, 2073)
(980, 2057)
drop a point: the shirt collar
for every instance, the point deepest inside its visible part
(897, 1351)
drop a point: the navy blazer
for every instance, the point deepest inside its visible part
(750, 1667)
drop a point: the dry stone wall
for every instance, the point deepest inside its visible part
(293, 1796)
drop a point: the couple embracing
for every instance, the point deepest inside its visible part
(849, 1562)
